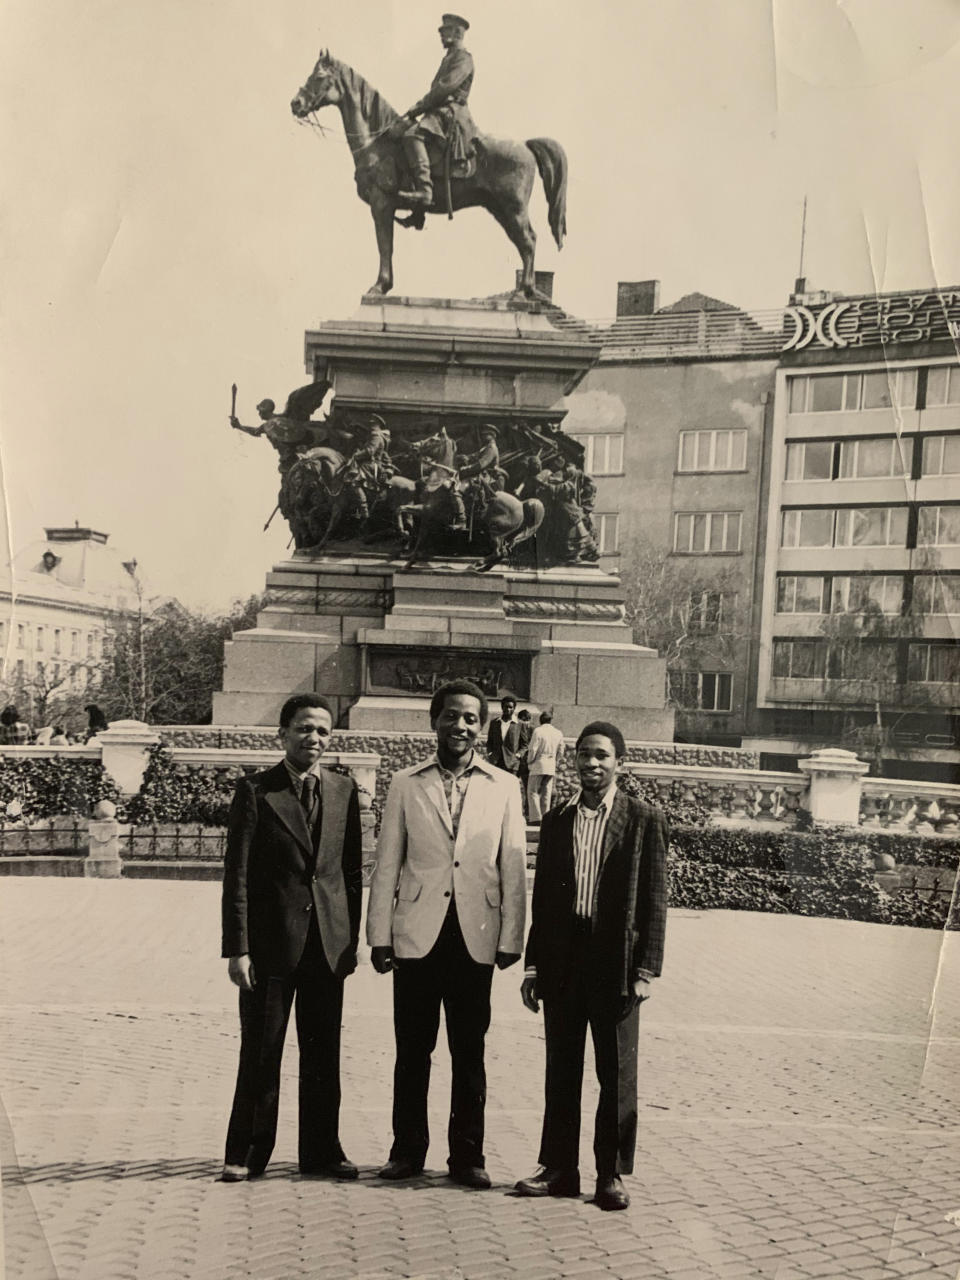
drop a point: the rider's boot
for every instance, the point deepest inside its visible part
(459, 520)
(415, 151)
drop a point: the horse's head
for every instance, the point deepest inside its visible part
(322, 88)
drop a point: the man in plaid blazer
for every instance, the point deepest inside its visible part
(594, 948)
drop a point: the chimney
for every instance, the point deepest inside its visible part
(542, 282)
(637, 297)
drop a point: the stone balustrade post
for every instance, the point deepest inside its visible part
(125, 747)
(835, 781)
(103, 849)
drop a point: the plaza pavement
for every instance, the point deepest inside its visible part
(798, 1111)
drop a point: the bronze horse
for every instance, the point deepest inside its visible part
(502, 183)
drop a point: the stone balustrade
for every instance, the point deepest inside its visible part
(927, 808)
(734, 797)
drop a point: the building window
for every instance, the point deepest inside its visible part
(702, 690)
(74, 644)
(867, 593)
(706, 532)
(810, 460)
(801, 593)
(55, 675)
(602, 453)
(871, 527)
(21, 635)
(19, 669)
(848, 459)
(853, 392)
(936, 593)
(863, 660)
(933, 663)
(800, 659)
(938, 527)
(57, 636)
(846, 527)
(943, 385)
(39, 639)
(713, 451)
(40, 670)
(709, 611)
(941, 454)
(607, 526)
(871, 459)
(90, 644)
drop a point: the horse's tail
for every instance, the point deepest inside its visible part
(552, 163)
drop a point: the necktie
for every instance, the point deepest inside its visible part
(308, 798)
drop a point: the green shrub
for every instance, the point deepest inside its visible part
(52, 786)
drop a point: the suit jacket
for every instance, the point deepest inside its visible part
(274, 882)
(506, 753)
(630, 901)
(420, 863)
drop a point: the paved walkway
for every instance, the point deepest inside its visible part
(799, 1090)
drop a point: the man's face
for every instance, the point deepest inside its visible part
(458, 724)
(265, 409)
(306, 736)
(508, 707)
(450, 36)
(596, 763)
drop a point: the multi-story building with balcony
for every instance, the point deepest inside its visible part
(860, 585)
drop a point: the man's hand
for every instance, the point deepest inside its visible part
(240, 969)
(235, 422)
(382, 959)
(528, 994)
(506, 958)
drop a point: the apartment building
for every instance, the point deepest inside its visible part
(859, 590)
(673, 419)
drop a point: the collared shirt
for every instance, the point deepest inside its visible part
(297, 777)
(455, 786)
(589, 829)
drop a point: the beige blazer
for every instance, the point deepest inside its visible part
(420, 864)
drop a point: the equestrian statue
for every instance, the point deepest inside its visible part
(432, 159)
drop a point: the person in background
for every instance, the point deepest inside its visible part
(96, 720)
(526, 732)
(59, 738)
(544, 752)
(13, 730)
(503, 737)
(594, 948)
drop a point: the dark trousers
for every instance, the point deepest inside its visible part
(581, 1002)
(446, 976)
(264, 1013)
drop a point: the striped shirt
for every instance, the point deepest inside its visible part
(589, 829)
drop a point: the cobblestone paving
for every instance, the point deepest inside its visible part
(799, 1088)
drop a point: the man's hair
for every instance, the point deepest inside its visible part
(508, 697)
(609, 731)
(438, 701)
(298, 702)
(523, 715)
(9, 715)
(546, 717)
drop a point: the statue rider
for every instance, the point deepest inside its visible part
(443, 113)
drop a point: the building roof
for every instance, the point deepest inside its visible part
(696, 302)
(74, 567)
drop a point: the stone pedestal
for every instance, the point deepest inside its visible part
(125, 744)
(378, 640)
(835, 785)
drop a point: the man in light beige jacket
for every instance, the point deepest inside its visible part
(447, 902)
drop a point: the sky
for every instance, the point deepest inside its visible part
(168, 228)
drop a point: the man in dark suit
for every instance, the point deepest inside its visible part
(291, 921)
(595, 945)
(506, 741)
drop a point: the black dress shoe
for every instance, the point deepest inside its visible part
(234, 1173)
(470, 1176)
(396, 1170)
(344, 1169)
(550, 1182)
(610, 1194)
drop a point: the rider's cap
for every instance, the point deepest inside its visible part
(489, 427)
(454, 20)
